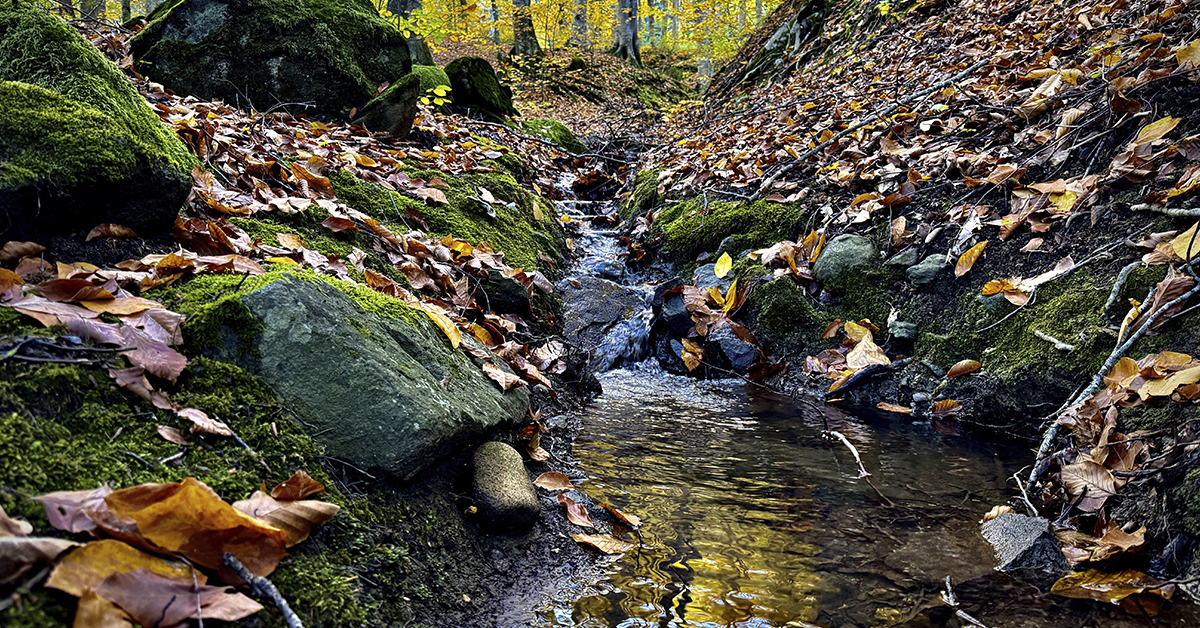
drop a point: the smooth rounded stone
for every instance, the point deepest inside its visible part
(1026, 548)
(903, 330)
(503, 491)
(477, 91)
(842, 255)
(669, 352)
(904, 258)
(728, 245)
(995, 303)
(928, 269)
(706, 277)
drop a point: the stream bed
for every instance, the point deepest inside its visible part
(751, 519)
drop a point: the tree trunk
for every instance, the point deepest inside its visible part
(579, 26)
(126, 10)
(525, 41)
(627, 46)
(494, 30)
(742, 13)
(92, 8)
(757, 11)
(675, 9)
(418, 50)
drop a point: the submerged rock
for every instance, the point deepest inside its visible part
(381, 392)
(78, 145)
(1026, 548)
(331, 53)
(502, 489)
(477, 91)
(842, 255)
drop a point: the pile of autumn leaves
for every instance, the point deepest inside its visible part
(157, 546)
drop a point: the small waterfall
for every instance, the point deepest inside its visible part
(627, 342)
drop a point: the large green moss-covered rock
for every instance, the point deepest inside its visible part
(477, 91)
(78, 145)
(331, 53)
(558, 133)
(393, 111)
(380, 387)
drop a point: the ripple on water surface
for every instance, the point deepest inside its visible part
(751, 520)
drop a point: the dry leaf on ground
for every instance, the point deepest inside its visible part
(552, 481)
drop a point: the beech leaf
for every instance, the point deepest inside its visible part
(552, 481)
(962, 368)
(968, 259)
(724, 264)
(604, 542)
(576, 513)
(299, 486)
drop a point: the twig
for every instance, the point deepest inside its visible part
(1058, 344)
(1118, 285)
(952, 601)
(766, 185)
(264, 588)
(1098, 378)
(1033, 511)
(862, 471)
(1174, 212)
(1032, 298)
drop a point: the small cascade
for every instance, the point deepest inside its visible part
(627, 342)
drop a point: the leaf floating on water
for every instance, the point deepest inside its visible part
(623, 517)
(552, 481)
(962, 368)
(604, 542)
(576, 513)
(968, 259)
(1094, 584)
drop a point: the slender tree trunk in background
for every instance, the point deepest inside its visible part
(418, 50)
(675, 8)
(150, 5)
(494, 30)
(627, 46)
(579, 26)
(742, 13)
(92, 8)
(525, 42)
(126, 10)
(757, 11)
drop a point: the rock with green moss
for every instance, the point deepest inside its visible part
(842, 255)
(393, 111)
(383, 391)
(432, 76)
(477, 91)
(78, 145)
(556, 132)
(697, 226)
(330, 53)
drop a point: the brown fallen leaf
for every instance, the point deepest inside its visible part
(552, 481)
(94, 611)
(123, 306)
(1091, 481)
(134, 380)
(296, 518)
(14, 250)
(604, 542)
(202, 424)
(968, 259)
(88, 566)
(865, 353)
(18, 554)
(891, 407)
(151, 600)
(534, 449)
(576, 513)
(110, 230)
(13, 527)
(1094, 584)
(996, 511)
(67, 290)
(68, 510)
(946, 407)
(500, 376)
(624, 517)
(172, 434)
(299, 486)
(962, 368)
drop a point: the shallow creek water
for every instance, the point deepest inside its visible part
(751, 519)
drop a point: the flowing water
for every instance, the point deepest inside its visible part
(751, 518)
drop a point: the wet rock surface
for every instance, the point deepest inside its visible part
(502, 489)
(1025, 548)
(593, 308)
(378, 392)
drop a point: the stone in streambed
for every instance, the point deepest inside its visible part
(842, 255)
(1026, 548)
(503, 492)
(740, 355)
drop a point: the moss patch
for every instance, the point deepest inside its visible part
(694, 226)
(556, 132)
(515, 230)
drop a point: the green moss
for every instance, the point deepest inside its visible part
(1187, 495)
(432, 77)
(556, 132)
(477, 89)
(515, 230)
(694, 226)
(643, 196)
(40, 49)
(783, 316)
(359, 327)
(343, 42)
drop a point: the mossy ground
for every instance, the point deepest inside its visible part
(556, 132)
(699, 225)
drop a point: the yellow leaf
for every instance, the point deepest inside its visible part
(1156, 130)
(1189, 55)
(282, 260)
(1064, 201)
(865, 353)
(730, 297)
(1135, 311)
(724, 264)
(1184, 246)
(444, 323)
(968, 259)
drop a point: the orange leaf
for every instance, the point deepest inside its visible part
(296, 518)
(946, 407)
(968, 259)
(604, 542)
(576, 513)
(552, 481)
(88, 566)
(962, 368)
(623, 517)
(299, 486)
(110, 230)
(891, 407)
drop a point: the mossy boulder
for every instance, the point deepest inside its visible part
(78, 145)
(556, 132)
(393, 111)
(431, 76)
(843, 255)
(477, 91)
(698, 225)
(331, 53)
(380, 388)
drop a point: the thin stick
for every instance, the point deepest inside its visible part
(1118, 285)
(1174, 212)
(766, 185)
(264, 588)
(862, 471)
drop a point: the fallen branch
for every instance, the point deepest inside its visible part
(1058, 344)
(1174, 212)
(1098, 378)
(1118, 286)
(862, 471)
(264, 588)
(792, 165)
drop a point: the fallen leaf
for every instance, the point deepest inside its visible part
(865, 353)
(444, 323)
(296, 518)
(996, 511)
(110, 230)
(122, 306)
(623, 517)
(552, 481)
(134, 380)
(151, 600)
(94, 611)
(13, 527)
(604, 542)
(1091, 481)
(18, 554)
(173, 435)
(891, 407)
(1033, 245)
(946, 407)
(14, 250)
(1156, 130)
(831, 329)
(88, 566)
(1094, 584)
(576, 513)
(500, 376)
(1187, 245)
(67, 290)
(202, 424)
(968, 259)
(299, 486)
(962, 368)
(724, 264)
(68, 510)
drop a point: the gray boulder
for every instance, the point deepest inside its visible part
(78, 145)
(741, 356)
(928, 270)
(669, 352)
(596, 306)
(706, 277)
(1026, 548)
(394, 110)
(842, 255)
(904, 258)
(675, 316)
(503, 492)
(381, 392)
(331, 53)
(476, 90)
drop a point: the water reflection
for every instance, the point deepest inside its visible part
(751, 520)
